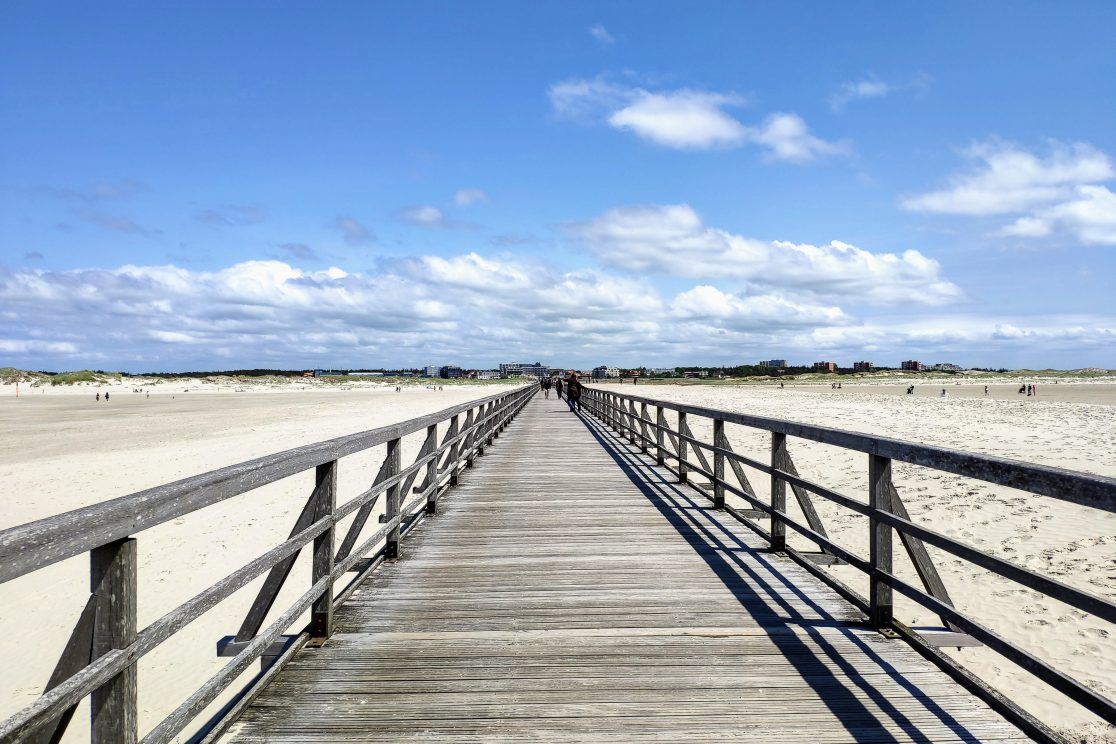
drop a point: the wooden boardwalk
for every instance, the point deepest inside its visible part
(567, 590)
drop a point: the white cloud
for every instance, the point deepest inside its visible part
(673, 240)
(1091, 215)
(470, 309)
(424, 215)
(601, 34)
(686, 119)
(788, 138)
(465, 197)
(867, 88)
(707, 304)
(872, 87)
(1008, 179)
(682, 119)
(1061, 191)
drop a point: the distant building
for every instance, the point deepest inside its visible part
(366, 374)
(773, 364)
(450, 372)
(695, 373)
(511, 369)
(862, 366)
(825, 366)
(669, 371)
(431, 371)
(537, 369)
(913, 366)
(631, 373)
(488, 374)
(328, 373)
(604, 371)
(946, 367)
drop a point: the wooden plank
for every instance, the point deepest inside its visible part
(113, 708)
(325, 499)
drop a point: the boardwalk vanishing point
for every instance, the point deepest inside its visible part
(570, 584)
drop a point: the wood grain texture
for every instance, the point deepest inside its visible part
(570, 590)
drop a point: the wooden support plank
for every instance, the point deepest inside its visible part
(805, 503)
(879, 546)
(920, 557)
(644, 440)
(431, 475)
(778, 529)
(113, 581)
(76, 655)
(276, 577)
(682, 447)
(660, 420)
(325, 499)
(394, 498)
(718, 466)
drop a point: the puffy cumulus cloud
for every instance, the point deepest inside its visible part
(686, 119)
(1008, 179)
(426, 215)
(471, 309)
(707, 304)
(787, 137)
(1061, 191)
(681, 119)
(672, 239)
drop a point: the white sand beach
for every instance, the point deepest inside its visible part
(62, 450)
(1068, 425)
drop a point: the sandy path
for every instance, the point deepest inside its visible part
(1072, 543)
(63, 451)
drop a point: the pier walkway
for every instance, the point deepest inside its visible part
(570, 589)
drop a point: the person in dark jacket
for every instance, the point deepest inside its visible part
(558, 387)
(545, 383)
(573, 392)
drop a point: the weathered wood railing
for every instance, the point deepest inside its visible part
(885, 512)
(100, 658)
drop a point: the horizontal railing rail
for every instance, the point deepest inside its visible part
(99, 659)
(886, 514)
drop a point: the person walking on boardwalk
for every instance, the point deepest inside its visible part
(558, 387)
(573, 392)
(545, 384)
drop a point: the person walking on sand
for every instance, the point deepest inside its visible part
(545, 384)
(986, 390)
(106, 397)
(98, 397)
(573, 392)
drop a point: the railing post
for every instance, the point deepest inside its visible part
(643, 438)
(432, 474)
(391, 548)
(451, 457)
(879, 541)
(113, 578)
(325, 500)
(683, 449)
(778, 491)
(660, 422)
(718, 465)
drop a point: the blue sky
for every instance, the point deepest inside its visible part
(206, 185)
